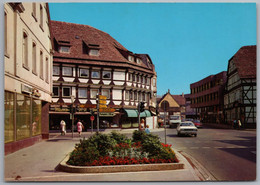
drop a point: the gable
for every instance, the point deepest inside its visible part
(171, 101)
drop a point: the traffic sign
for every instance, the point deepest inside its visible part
(92, 118)
(107, 110)
(106, 114)
(101, 97)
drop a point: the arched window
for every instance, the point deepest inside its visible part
(165, 105)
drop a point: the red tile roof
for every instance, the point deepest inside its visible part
(111, 51)
(245, 61)
(179, 99)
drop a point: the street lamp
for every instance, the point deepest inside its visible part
(72, 113)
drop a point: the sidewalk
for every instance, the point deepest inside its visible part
(38, 163)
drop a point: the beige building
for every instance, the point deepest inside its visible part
(28, 71)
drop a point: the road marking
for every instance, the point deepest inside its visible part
(206, 147)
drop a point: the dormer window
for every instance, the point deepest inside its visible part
(94, 52)
(131, 58)
(64, 49)
(138, 60)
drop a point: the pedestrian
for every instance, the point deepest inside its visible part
(239, 124)
(147, 130)
(80, 127)
(62, 127)
(141, 126)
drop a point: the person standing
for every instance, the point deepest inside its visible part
(147, 130)
(80, 127)
(63, 127)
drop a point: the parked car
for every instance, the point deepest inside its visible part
(187, 128)
(197, 123)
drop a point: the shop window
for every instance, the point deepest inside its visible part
(55, 91)
(56, 70)
(82, 92)
(67, 71)
(84, 73)
(23, 110)
(106, 75)
(36, 117)
(66, 91)
(93, 93)
(9, 117)
(106, 92)
(95, 74)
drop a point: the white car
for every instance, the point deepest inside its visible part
(187, 128)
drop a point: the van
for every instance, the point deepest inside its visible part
(174, 120)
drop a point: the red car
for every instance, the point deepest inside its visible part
(197, 123)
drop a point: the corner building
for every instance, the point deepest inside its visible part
(28, 68)
(88, 62)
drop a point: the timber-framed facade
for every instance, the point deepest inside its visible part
(240, 90)
(88, 62)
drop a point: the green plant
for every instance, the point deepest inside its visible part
(119, 138)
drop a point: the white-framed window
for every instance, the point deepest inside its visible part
(95, 74)
(82, 92)
(131, 58)
(64, 49)
(93, 93)
(34, 58)
(47, 70)
(138, 60)
(25, 49)
(94, 52)
(106, 92)
(126, 95)
(106, 75)
(84, 73)
(66, 91)
(55, 90)
(67, 71)
(56, 70)
(143, 82)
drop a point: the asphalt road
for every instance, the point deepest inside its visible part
(228, 155)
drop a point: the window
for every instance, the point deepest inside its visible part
(154, 82)
(106, 92)
(94, 52)
(34, 10)
(138, 60)
(56, 70)
(67, 71)
(34, 58)
(129, 76)
(55, 91)
(135, 93)
(84, 73)
(41, 65)
(138, 78)
(64, 49)
(36, 117)
(134, 78)
(144, 97)
(82, 92)
(25, 50)
(6, 34)
(106, 74)
(131, 97)
(95, 74)
(93, 93)
(9, 117)
(126, 95)
(47, 70)
(130, 58)
(41, 16)
(148, 81)
(143, 80)
(66, 91)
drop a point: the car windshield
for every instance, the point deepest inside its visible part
(197, 121)
(174, 117)
(187, 124)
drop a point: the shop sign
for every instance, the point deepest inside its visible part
(106, 114)
(58, 109)
(92, 118)
(107, 110)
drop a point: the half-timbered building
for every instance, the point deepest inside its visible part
(240, 90)
(88, 62)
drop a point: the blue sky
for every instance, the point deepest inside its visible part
(186, 41)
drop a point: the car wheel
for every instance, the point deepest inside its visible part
(178, 134)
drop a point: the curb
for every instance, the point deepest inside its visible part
(117, 168)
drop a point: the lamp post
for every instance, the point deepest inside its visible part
(72, 113)
(164, 121)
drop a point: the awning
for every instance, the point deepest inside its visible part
(131, 113)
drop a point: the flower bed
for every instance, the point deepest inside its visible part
(117, 149)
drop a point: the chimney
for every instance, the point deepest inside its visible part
(169, 91)
(182, 94)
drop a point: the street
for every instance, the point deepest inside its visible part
(227, 154)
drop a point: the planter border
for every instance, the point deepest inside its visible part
(117, 168)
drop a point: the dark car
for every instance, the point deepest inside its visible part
(197, 123)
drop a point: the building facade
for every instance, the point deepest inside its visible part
(207, 97)
(88, 62)
(171, 105)
(240, 90)
(28, 69)
(190, 113)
